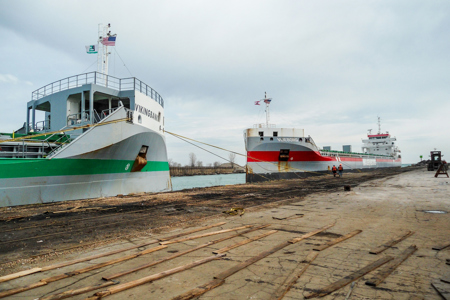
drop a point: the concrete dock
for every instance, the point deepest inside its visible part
(396, 212)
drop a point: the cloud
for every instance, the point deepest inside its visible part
(8, 78)
(330, 67)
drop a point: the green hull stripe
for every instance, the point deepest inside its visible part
(18, 167)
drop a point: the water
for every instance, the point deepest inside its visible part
(189, 182)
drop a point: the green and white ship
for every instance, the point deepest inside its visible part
(101, 136)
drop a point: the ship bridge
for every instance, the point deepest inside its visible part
(83, 99)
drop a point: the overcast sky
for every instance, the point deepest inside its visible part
(331, 67)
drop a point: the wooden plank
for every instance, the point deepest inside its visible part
(147, 265)
(264, 254)
(250, 261)
(309, 234)
(442, 289)
(19, 274)
(348, 279)
(387, 269)
(79, 271)
(75, 261)
(441, 247)
(204, 235)
(290, 217)
(338, 240)
(249, 240)
(70, 293)
(192, 231)
(104, 264)
(72, 262)
(294, 276)
(147, 279)
(21, 289)
(200, 290)
(391, 243)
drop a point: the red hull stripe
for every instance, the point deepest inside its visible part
(272, 156)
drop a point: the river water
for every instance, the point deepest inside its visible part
(189, 182)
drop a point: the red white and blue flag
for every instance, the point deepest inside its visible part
(257, 102)
(109, 41)
(267, 101)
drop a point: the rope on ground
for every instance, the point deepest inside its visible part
(234, 211)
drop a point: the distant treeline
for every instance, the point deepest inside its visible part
(190, 171)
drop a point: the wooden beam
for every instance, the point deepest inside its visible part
(148, 265)
(309, 234)
(192, 231)
(104, 264)
(387, 269)
(19, 274)
(200, 290)
(441, 247)
(391, 243)
(249, 240)
(70, 293)
(294, 276)
(290, 217)
(147, 279)
(348, 279)
(79, 271)
(72, 262)
(204, 235)
(222, 276)
(21, 289)
(338, 240)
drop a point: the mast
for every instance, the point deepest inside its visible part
(105, 39)
(379, 125)
(267, 102)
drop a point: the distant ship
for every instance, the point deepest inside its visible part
(284, 153)
(100, 136)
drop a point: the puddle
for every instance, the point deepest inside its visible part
(435, 211)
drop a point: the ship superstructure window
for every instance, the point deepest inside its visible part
(275, 133)
(261, 133)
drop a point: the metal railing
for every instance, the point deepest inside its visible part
(119, 84)
(77, 119)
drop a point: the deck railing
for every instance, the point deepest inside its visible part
(119, 84)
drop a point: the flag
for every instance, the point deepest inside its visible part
(109, 41)
(91, 49)
(257, 102)
(267, 101)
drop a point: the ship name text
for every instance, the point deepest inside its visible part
(148, 112)
(287, 140)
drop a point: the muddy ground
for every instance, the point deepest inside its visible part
(36, 233)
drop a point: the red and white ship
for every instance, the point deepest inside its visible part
(283, 153)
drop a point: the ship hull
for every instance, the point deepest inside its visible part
(265, 160)
(102, 172)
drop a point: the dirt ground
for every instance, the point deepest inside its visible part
(383, 204)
